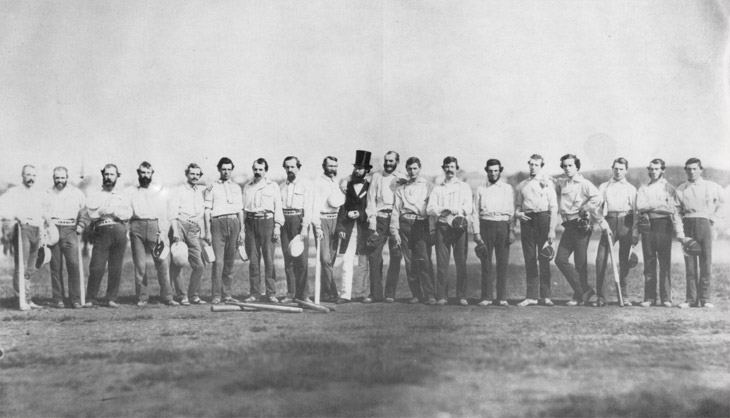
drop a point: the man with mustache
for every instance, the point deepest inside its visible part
(537, 210)
(352, 225)
(379, 209)
(264, 218)
(617, 214)
(297, 197)
(578, 200)
(64, 205)
(699, 202)
(450, 198)
(109, 209)
(409, 225)
(493, 223)
(655, 202)
(187, 208)
(147, 228)
(327, 201)
(24, 205)
(224, 226)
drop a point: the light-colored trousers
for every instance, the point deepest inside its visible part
(354, 267)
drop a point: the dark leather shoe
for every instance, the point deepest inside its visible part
(340, 301)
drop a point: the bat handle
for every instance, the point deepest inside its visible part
(82, 286)
(317, 271)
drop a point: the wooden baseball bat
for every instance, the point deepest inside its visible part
(616, 277)
(231, 308)
(317, 269)
(265, 307)
(82, 287)
(22, 304)
(313, 306)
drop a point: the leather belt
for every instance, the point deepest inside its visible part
(293, 211)
(190, 221)
(328, 215)
(498, 218)
(142, 219)
(227, 215)
(105, 222)
(616, 214)
(257, 215)
(413, 216)
(383, 214)
(64, 222)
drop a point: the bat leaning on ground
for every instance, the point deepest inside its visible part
(22, 304)
(82, 286)
(317, 270)
(616, 277)
(313, 306)
(265, 307)
(231, 308)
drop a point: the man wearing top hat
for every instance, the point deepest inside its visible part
(352, 225)
(297, 201)
(451, 201)
(327, 201)
(379, 209)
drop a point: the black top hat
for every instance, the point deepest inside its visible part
(362, 159)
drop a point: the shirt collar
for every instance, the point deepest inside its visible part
(454, 180)
(622, 181)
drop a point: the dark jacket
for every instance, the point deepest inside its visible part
(358, 202)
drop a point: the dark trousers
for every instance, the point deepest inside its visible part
(67, 248)
(375, 261)
(327, 255)
(698, 281)
(534, 234)
(574, 241)
(258, 245)
(621, 230)
(295, 268)
(190, 235)
(225, 232)
(657, 246)
(496, 237)
(30, 237)
(143, 238)
(417, 255)
(446, 240)
(110, 243)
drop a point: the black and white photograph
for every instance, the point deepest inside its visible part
(353, 208)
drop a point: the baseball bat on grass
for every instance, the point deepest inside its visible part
(313, 306)
(616, 277)
(266, 307)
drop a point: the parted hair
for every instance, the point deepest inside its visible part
(225, 160)
(413, 160)
(291, 157)
(621, 160)
(450, 159)
(493, 161)
(658, 161)
(191, 166)
(111, 165)
(693, 160)
(262, 161)
(570, 157)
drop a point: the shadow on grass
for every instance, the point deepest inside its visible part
(689, 402)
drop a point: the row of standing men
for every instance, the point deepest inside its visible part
(356, 216)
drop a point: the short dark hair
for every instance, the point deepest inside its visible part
(191, 166)
(291, 157)
(537, 157)
(658, 161)
(145, 164)
(225, 160)
(110, 165)
(397, 156)
(493, 161)
(413, 160)
(329, 157)
(621, 160)
(693, 160)
(570, 157)
(261, 161)
(450, 159)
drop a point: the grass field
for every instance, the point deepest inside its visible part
(371, 360)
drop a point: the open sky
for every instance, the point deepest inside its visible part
(172, 82)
